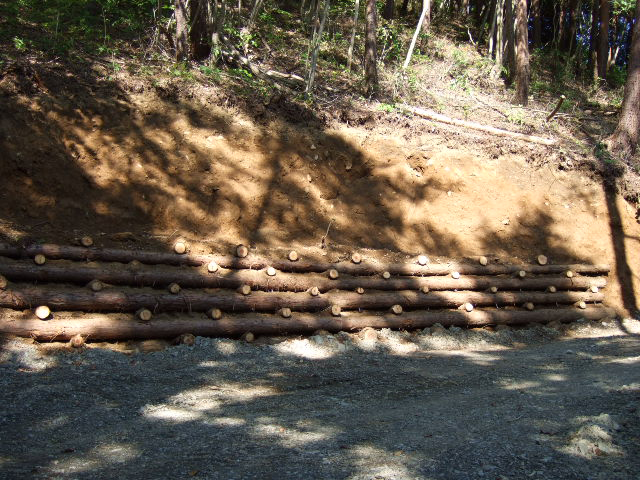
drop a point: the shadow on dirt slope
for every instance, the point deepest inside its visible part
(229, 410)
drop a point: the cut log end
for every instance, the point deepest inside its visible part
(314, 291)
(135, 264)
(529, 306)
(594, 289)
(40, 259)
(359, 290)
(248, 337)
(212, 267)
(77, 341)
(3, 282)
(493, 289)
(285, 312)
(43, 312)
(386, 275)
(455, 275)
(336, 310)
(174, 288)
(333, 274)
(241, 251)
(521, 274)
(95, 285)
(423, 260)
(396, 309)
(180, 247)
(483, 261)
(86, 241)
(215, 314)
(356, 258)
(144, 314)
(569, 274)
(468, 307)
(271, 271)
(293, 256)
(551, 289)
(542, 260)
(187, 339)
(244, 289)
(582, 305)
(424, 289)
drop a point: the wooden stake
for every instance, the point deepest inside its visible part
(396, 309)
(271, 271)
(293, 256)
(336, 310)
(174, 288)
(144, 314)
(215, 314)
(241, 251)
(86, 241)
(180, 247)
(285, 312)
(212, 267)
(43, 312)
(483, 260)
(542, 260)
(95, 285)
(356, 258)
(244, 290)
(423, 260)
(40, 259)
(77, 341)
(333, 274)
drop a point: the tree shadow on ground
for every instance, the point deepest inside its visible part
(228, 410)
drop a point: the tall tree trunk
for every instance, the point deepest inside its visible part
(537, 23)
(624, 140)
(593, 40)
(371, 49)
(603, 39)
(182, 43)
(570, 32)
(426, 23)
(315, 49)
(353, 35)
(510, 45)
(559, 25)
(522, 68)
(404, 8)
(499, 46)
(389, 8)
(426, 5)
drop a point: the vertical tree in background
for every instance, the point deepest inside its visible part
(522, 60)
(624, 140)
(603, 39)
(593, 39)
(537, 23)
(509, 37)
(182, 44)
(389, 7)
(371, 49)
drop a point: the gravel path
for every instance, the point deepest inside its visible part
(503, 405)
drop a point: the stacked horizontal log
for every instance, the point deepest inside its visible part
(242, 288)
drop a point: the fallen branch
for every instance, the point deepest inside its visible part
(123, 327)
(252, 262)
(161, 276)
(431, 115)
(132, 300)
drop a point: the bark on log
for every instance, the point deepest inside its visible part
(132, 300)
(431, 115)
(186, 278)
(254, 262)
(95, 327)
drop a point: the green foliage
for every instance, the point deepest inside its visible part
(602, 153)
(617, 76)
(19, 43)
(390, 42)
(386, 107)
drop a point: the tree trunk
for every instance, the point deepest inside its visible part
(522, 68)
(112, 327)
(315, 45)
(182, 27)
(603, 39)
(353, 34)
(593, 40)
(371, 49)
(426, 23)
(574, 12)
(389, 8)
(537, 23)
(499, 43)
(510, 47)
(624, 140)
